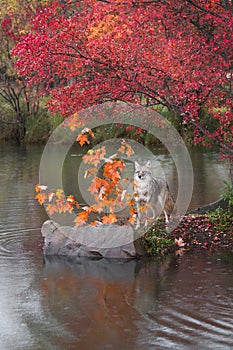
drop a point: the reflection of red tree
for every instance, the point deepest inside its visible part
(100, 310)
(94, 309)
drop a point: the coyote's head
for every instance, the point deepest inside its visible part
(142, 171)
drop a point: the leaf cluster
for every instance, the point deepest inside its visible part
(108, 190)
(151, 53)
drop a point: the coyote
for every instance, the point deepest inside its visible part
(152, 195)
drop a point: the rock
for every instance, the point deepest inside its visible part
(220, 203)
(104, 241)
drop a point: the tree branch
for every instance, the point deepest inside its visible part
(223, 145)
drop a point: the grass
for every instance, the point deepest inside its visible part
(156, 241)
(212, 230)
(34, 129)
(223, 218)
(40, 127)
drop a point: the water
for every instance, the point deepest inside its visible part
(176, 303)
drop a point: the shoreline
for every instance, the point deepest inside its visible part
(194, 232)
(197, 231)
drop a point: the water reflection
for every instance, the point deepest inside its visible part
(57, 304)
(93, 299)
(142, 304)
(18, 176)
(178, 303)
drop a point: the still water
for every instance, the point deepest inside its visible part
(177, 303)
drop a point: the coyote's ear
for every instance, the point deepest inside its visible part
(148, 164)
(136, 165)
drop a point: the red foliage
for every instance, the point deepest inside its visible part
(178, 54)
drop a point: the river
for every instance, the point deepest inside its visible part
(53, 304)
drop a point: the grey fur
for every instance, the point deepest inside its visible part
(150, 193)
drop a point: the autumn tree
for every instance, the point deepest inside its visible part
(21, 100)
(174, 54)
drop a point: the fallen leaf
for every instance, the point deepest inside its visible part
(179, 242)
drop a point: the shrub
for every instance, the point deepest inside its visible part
(223, 218)
(156, 241)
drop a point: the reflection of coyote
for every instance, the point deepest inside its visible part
(152, 195)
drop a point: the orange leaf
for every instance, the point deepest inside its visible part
(94, 156)
(41, 197)
(74, 122)
(126, 148)
(109, 219)
(95, 223)
(82, 139)
(142, 207)
(51, 208)
(90, 172)
(132, 220)
(132, 215)
(129, 151)
(121, 149)
(81, 218)
(130, 203)
(97, 208)
(96, 184)
(70, 199)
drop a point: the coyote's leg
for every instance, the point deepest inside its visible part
(153, 213)
(138, 221)
(157, 209)
(166, 216)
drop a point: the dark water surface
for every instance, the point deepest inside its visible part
(177, 303)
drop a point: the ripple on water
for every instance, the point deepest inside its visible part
(20, 244)
(211, 327)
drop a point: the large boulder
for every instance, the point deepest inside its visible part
(104, 241)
